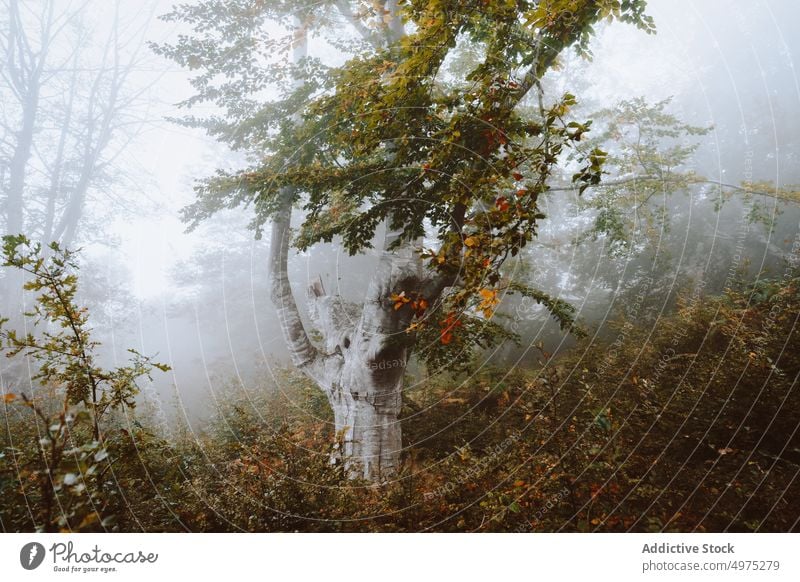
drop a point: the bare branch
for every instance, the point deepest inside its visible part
(776, 193)
(347, 12)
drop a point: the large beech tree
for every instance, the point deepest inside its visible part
(391, 150)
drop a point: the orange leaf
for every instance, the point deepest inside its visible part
(399, 300)
(488, 294)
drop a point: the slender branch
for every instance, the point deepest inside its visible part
(85, 358)
(688, 180)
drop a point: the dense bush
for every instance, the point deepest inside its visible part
(689, 423)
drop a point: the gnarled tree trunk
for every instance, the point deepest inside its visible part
(370, 346)
(362, 362)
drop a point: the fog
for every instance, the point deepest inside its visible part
(200, 300)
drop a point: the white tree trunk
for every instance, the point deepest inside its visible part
(366, 353)
(366, 348)
(363, 361)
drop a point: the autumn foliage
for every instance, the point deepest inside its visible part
(698, 434)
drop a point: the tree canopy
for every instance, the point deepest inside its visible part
(436, 123)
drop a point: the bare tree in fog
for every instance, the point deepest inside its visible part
(67, 115)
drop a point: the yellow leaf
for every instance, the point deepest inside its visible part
(487, 294)
(490, 300)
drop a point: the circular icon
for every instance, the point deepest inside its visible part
(31, 555)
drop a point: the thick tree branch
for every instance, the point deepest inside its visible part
(300, 348)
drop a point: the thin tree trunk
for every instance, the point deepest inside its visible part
(100, 114)
(57, 171)
(25, 67)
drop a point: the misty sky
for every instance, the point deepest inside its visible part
(711, 52)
